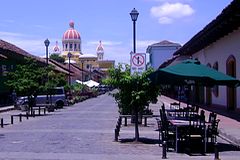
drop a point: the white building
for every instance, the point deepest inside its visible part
(218, 46)
(161, 51)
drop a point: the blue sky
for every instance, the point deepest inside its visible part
(27, 23)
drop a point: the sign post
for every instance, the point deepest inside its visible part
(138, 62)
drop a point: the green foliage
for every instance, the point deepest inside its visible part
(31, 77)
(77, 87)
(27, 77)
(57, 58)
(133, 90)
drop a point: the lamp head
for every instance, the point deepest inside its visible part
(134, 14)
(69, 54)
(46, 42)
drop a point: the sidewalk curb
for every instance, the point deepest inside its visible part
(5, 109)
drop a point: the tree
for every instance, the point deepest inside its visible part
(27, 77)
(135, 92)
(57, 58)
(30, 78)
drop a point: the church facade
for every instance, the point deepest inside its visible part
(71, 46)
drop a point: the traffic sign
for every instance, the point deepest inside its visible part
(138, 62)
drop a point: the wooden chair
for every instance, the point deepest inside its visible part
(212, 117)
(195, 108)
(167, 131)
(163, 108)
(159, 125)
(175, 105)
(212, 133)
(195, 135)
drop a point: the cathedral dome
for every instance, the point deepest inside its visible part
(71, 33)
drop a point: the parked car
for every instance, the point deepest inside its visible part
(103, 88)
(56, 96)
(21, 103)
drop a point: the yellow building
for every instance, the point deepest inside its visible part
(71, 43)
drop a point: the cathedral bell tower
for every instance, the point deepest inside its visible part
(100, 51)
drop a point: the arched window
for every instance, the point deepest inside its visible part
(66, 47)
(231, 66)
(75, 47)
(215, 88)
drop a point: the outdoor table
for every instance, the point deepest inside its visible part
(178, 123)
(43, 107)
(130, 116)
(183, 112)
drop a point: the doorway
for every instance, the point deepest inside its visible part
(231, 91)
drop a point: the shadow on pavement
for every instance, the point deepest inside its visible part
(142, 140)
(223, 147)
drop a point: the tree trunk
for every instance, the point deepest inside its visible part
(136, 124)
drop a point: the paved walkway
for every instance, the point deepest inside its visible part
(229, 125)
(85, 131)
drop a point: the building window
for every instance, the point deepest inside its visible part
(75, 47)
(66, 47)
(70, 46)
(215, 88)
(4, 70)
(88, 66)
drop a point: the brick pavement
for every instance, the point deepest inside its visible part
(85, 131)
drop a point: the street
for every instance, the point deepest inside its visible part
(86, 131)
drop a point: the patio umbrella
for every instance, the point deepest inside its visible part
(191, 72)
(91, 83)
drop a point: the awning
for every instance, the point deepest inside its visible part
(192, 72)
(78, 81)
(91, 83)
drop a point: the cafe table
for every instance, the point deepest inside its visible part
(181, 123)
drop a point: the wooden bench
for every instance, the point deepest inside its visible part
(129, 116)
(43, 107)
(125, 118)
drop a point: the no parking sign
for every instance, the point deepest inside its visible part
(138, 62)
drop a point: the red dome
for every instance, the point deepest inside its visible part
(71, 33)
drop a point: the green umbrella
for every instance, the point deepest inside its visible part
(192, 72)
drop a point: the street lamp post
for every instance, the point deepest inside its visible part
(82, 61)
(69, 57)
(90, 68)
(47, 42)
(134, 15)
